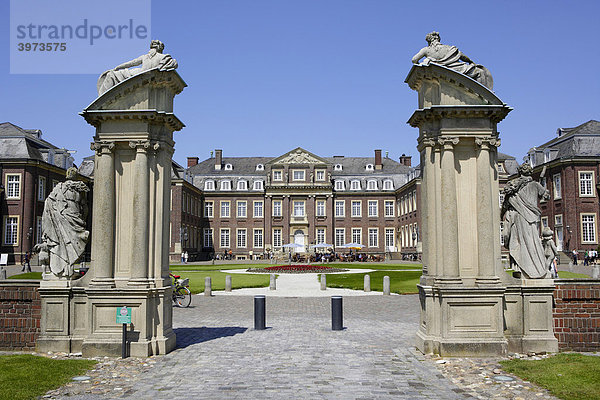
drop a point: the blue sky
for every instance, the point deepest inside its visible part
(328, 75)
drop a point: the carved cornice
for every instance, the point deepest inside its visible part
(102, 147)
(96, 117)
(495, 113)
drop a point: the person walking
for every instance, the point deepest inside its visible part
(574, 257)
(27, 262)
(185, 257)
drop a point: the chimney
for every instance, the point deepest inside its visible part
(192, 161)
(218, 159)
(405, 160)
(378, 163)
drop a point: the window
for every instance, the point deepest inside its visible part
(277, 175)
(277, 208)
(320, 235)
(500, 168)
(11, 231)
(414, 198)
(372, 185)
(337, 167)
(355, 185)
(340, 237)
(588, 228)
(38, 230)
(208, 237)
(277, 237)
(388, 185)
(339, 208)
(369, 167)
(409, 203)
(225, 185)
(258, 209)
(41, 188)
(586, 183)
(558, 220)
(208, 209)
(389, 238)
(228, 167)
(373, 212)
(258, 185)
(356, 208)
(298, 209)
(258, 238)
(320, 175)
(242, 185)
(357, 235)
(209, 185)
(544, 222)
(501, 233)
(13, 186)
(260, 167)
(339, 185)
(241, 238)
(299, 175)
(373, 237)
(501, 199)
(242, 208)
(389, 208)
(320, 208)
(225, 237)
(225, 209)
(557, 186)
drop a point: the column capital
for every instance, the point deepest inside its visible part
(141, 146)
(102, 147)
(448, 142)
(487, 142)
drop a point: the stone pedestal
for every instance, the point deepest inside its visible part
(134, 124)
(461, 292)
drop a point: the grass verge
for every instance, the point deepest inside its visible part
(567, 376)
(27, 275)
(401, 282)
(218, 267)
(27, 377)
(238, 281)
(572, 275)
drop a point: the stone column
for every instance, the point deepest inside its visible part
(103, 221)
(449, 209)
(428, 226)
(141, 199)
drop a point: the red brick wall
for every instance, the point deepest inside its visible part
(577, 315)
(20, 314)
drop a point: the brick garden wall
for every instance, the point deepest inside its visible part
(577, 314)
(20, 314)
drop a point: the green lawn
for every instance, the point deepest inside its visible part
(400, 282)
(238, 281)
(572, 275)
(27, 376)
(566, 376)
(27, 275)
(356, 265)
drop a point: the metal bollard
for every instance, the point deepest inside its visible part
(272, 282)
(207, 286)
(259, 313)
(367, 283)
(228, 283)
(323, 282)
(386, 285)
(337, 317)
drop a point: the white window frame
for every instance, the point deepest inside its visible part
(588, 190)
(277, 237)
(258, 238)
(340, 237)
(13, 229)
(369, 167)
(373, 237)
(338, 167)
(320, 175)
(371, 184)
(226, 185)
(259, 208)
(339, 184)
(242, 185)
(258, 185)
(225, 206)
(12, 188)
(389, 207)
(583, 223)
(225, 238)
(390, 233)
(341, 203)
(558, 220)
(301, 175)
(544, 221)
(388, 184)
(209, 209)
(241, 238)
(320, 208)
(355, 184)
(356, 235)
(209, 186)
(41, 188)
(320, 235)
(208, 237)
(557, 186)
(373, 208)
(38, 230)
(299, 208)
(241, 209)
(277, 208)
(353, 209)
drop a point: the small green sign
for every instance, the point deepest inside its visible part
(123, 315)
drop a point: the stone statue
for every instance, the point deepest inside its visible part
(154, 59)
(521, 217)
(64, 236)
(451, 57)
(550, 251)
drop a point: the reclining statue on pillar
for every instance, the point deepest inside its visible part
(451, 57)
(64, 236)
(154, 59)
(521, 216)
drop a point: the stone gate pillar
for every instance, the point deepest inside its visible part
(461, 292)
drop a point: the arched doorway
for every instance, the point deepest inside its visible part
(299, 239)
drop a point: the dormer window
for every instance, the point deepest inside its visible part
(355, 185)
(225, 185)
(299, 175)
(320, 175)
(339, 185)
(337, 167)
(388, 185)
(547, 155)
(242, 185)
(258, 185)
(277, 175)
(369, 167)
(260, 167)
(209, 185)
(228, 167)
(372, 185)
(501, 168)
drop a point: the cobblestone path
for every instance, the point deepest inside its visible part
(221, 356)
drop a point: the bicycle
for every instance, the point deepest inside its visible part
(182, 297)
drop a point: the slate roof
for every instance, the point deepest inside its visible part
(241, 166)
(18, 143)
(580, 141)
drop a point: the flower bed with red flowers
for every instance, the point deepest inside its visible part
(296, 269)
